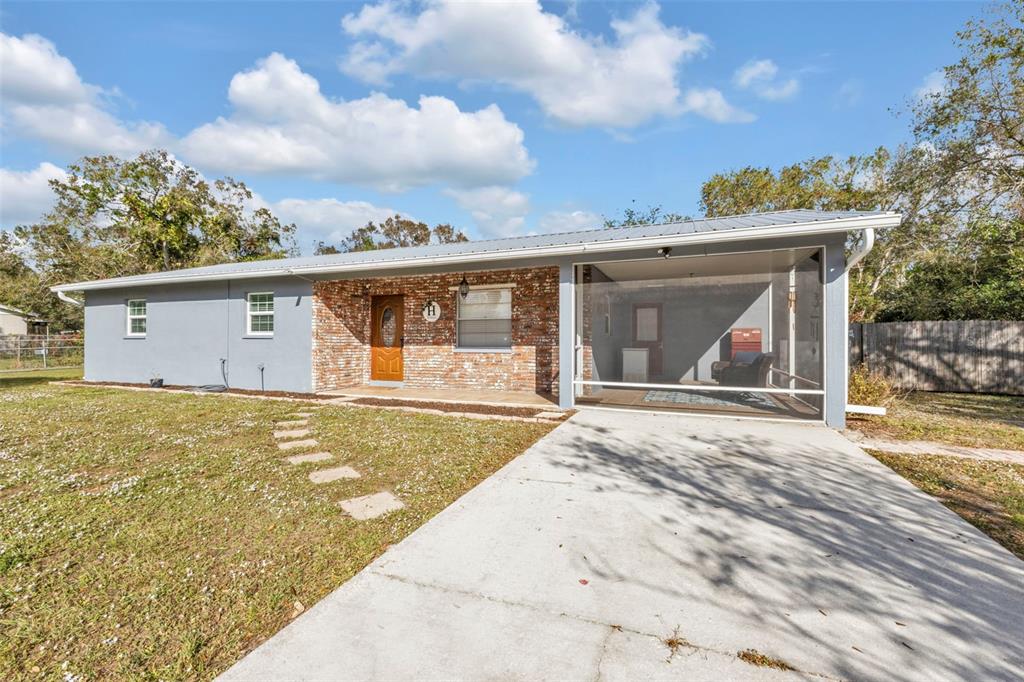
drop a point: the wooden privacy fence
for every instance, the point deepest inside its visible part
(968, 356)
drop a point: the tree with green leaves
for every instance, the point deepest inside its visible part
(114, 217)
(982, 278)
(880, 181)
(652, 215)
(974, 124)
(394, 232)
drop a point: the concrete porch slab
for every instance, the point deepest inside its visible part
(453, 395)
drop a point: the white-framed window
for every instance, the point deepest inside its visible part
(136, 319)
(485, 319)
(259, 314)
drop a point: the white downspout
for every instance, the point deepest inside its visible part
(862, 249)
(67, 299)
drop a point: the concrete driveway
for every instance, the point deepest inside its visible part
(620, 531)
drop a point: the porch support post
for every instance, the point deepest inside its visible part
(835, 342)
(566, 335)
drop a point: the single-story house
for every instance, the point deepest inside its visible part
(19, 322)
(743, 315)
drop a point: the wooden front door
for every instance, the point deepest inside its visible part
(387, 337)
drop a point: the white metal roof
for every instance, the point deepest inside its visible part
(732, 228)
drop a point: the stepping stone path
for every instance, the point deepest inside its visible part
(371, 506)
(311, 457)
(291, 435)
(293, 444)
(328, 475)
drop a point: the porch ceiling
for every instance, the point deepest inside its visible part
(756, 262)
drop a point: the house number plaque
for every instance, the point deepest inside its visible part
(431, 311)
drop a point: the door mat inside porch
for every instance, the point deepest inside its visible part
(694, 398)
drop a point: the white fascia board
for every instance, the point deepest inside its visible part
(881, 221)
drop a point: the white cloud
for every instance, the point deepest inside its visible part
(328, 219)
(569, 221)
(711, 104)
(283, 124)
(26, 195)
(762, 77)
(43, 97)
(578, 79)
(497, 211)
(934, 84)
(850, 93)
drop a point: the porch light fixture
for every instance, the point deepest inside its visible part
(463, 288)
(665, 251)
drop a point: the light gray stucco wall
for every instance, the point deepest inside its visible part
(191, 327)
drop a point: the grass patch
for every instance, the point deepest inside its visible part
(162, 536)
(754, 657)
(967, 419)
(988, 495)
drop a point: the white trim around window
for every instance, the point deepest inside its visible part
(483, 320)
(135, 317)
(259, 313)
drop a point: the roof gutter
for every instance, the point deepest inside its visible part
(64, 297)
(862, 249)
(620, 244)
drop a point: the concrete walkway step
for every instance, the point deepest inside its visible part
(300, 415)
(371, 506)
(292, 433)
(293, 444)
(311, 457)
(328, 475)
(292, 424)
(924, 447)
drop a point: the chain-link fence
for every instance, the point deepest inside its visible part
(40, 351)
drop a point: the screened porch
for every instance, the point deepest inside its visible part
(739, 334)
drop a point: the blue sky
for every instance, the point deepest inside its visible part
(538, 117)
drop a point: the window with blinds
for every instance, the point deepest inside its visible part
(485, 319)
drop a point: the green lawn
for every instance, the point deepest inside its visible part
(162, 536)
(969, 419)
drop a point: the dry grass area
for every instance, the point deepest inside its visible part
(967, 419)
(754, 657)
(161, 536)
(988, 495)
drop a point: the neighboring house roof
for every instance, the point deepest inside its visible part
(733, 228)
(28, 317)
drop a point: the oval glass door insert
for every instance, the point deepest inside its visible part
(387, 327)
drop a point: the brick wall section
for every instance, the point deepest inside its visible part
(341, 332)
